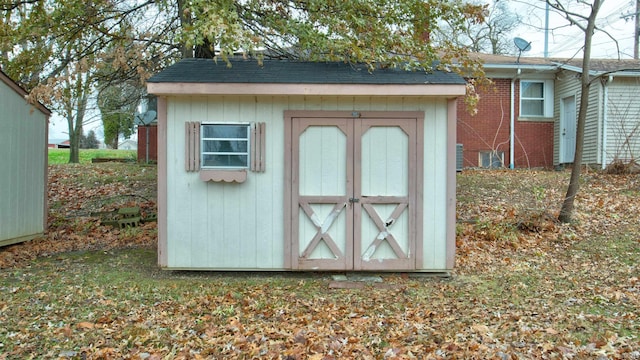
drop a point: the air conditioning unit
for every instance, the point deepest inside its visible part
(459, 157)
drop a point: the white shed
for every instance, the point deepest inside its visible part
(305, 166)
(23, 179)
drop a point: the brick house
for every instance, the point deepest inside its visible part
(527, 119)
(486, 137)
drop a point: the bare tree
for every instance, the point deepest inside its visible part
(586, 23)
(490, 36)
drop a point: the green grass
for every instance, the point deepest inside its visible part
(61, 156)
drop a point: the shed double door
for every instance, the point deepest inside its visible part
(353, 193)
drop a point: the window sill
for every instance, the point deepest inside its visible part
(238, 176)
(535, 119)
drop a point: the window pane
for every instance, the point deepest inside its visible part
(491, 159)
(532, 90)
(532, 107)
(234, 161)
(225, 146)
(225, 131)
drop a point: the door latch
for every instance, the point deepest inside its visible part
(354, 200)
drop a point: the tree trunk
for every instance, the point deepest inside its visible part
(82, 89)
(74, 143)
(566, 212)
(185, 20)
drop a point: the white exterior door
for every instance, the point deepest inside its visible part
(567, 130)
(353, 187)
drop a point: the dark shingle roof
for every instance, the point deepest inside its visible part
(291, 72)
(605, 65)
(596, 64)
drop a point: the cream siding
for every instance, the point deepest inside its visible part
(593, 126)
(249, 232)
(22, 179)
(623, 120)
(568, 84)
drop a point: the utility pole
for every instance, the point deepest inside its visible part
(637, 31)
(546, 30)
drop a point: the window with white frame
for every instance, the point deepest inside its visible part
(225, 145)
(491, 159)
(536, 98)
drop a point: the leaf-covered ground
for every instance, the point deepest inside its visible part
(525, 287)
(78, 190)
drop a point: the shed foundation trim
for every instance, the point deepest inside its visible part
(20, 239)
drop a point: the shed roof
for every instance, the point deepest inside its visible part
(22, 92)
(277, 77)
(293, 72)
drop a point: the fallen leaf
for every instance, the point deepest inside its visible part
(85, 325)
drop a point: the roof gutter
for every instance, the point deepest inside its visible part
(512, 125)
(520, 67)
(617, 73)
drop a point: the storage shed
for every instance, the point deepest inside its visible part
(305, 166)
(23, 179)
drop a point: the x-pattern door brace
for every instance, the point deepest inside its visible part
(384, 234)
(322, 228)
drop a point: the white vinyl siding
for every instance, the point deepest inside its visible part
(22, 179)
(570, 86)
(241, 226)
(623, 120)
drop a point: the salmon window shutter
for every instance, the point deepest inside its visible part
(258, 136)
(192, 146)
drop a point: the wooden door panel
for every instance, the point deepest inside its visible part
(385, 183)
(322, 231)
(353, 189)
(322, 185)
(385, 224)
(323, 161)
(384, 162)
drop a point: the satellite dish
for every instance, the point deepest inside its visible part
(145, 118)
(522, 44)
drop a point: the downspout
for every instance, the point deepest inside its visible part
(512, 122)
(605, 116)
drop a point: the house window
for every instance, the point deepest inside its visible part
(225, 146)
(536, 98)
(491, 159)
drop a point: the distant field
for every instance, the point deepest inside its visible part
(61, 156)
